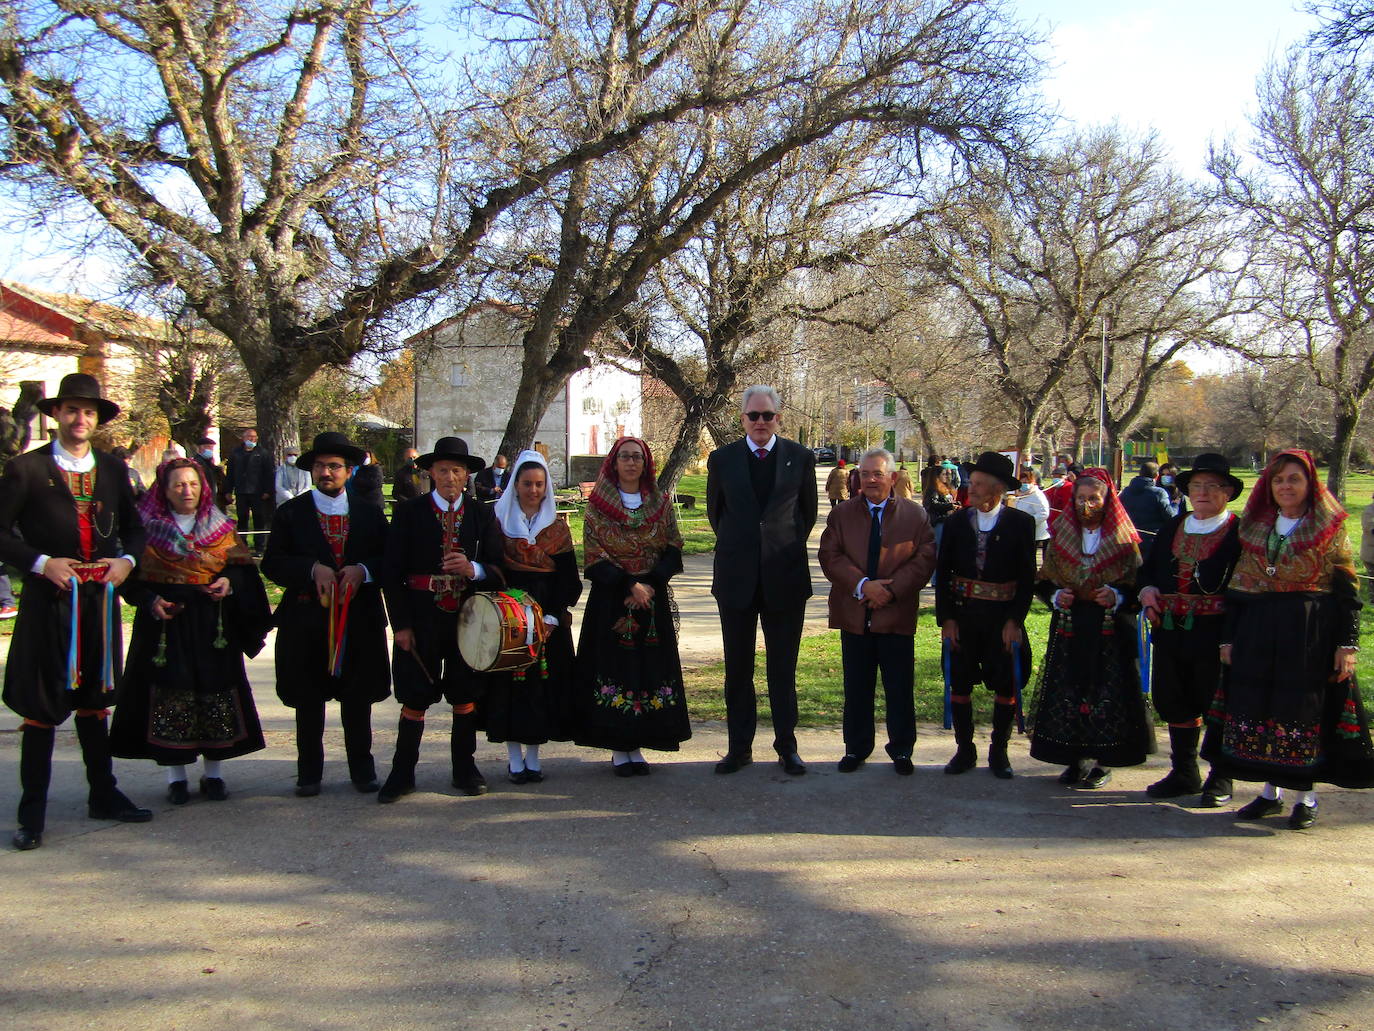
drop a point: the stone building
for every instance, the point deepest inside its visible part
(467, 371)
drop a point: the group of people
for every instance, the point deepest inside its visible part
(1269, 598)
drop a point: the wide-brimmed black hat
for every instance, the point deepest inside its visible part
(996, 464)
(80, 386)
(1217, 466)
(331, 443)
(452, 449)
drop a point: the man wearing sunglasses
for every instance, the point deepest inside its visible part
(761, 502)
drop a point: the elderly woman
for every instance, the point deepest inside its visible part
(526, 708)
(1288, 711)
(629, 677)
(1088, 710)
(201, 609)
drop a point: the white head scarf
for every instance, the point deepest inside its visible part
(508, 512)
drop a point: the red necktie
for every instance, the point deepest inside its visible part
(762, 452)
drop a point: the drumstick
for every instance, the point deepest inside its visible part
(415, 654)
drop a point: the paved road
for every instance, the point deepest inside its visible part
(682, 900)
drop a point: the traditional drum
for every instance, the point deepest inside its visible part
(500, 630)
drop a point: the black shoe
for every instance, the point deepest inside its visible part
(1302, 817)
(1095, 778)
(1216, 792)
(213, 788)
(1072, 775)
(640, 768)
(394, 788)
(534, 776)
(519, 777)
(1259, 808)
(366, 787)
(734, 762)
(849, 763)
(902, 765)
(965, 759)
(307, 790)
(999, 765)
(178, 793)
(26, 840)
(470, 782)
(626, 769)
(117, 807)
(1176, 784)
(792, 765)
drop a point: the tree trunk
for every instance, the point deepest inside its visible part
(540, 382)
(275, 399)
(1347, 422)
(699, 412)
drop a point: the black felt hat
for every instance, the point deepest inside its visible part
(452, 449)
(80, 386)
(996, 464)
(1215, 464)
(331, 443)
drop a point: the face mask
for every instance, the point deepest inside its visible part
(1166, 480)
(250, 444)
(207, 453)
(291, 459)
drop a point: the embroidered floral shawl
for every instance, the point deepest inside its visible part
(631, 540)
(1117, 555)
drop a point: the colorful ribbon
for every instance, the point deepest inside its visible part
(338, 627)
(107, 635)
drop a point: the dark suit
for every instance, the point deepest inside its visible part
(38, 516)
(762, 517)
(250, 479)
(304, 682)
(873, 639)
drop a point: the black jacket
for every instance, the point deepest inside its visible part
(1010, 557)
(251, 471)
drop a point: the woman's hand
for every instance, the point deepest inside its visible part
(1226, 655)
(1063, 599)
(1345, 664)
(1105, 596)
(219, 589)
(164, 609)
(641, 595)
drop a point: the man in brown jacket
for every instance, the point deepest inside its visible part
(877, 551)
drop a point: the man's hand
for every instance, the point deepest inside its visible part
(456, 563)
(405, 639)
(949, 631)
(1225, 655)
(324, 578)
(351, 578)
(117, 570)
(1011, 634)
(1149, 601)
(877, 593)
(219, 589)
(59, 571)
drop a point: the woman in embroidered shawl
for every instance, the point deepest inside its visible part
(629, 677)
(201, 609)
(534, 705)
(1088, 710)
(1288, 710)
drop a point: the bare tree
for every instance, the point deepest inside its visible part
(1347, 25)
(1306, 191)
(1098, 234)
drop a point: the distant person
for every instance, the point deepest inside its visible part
(1148, 505)
(291, 481)
(250, 481)
(409, 480)
(214, 475)
(135, 478)
(837, 484)
(365, 486)
(490, 483)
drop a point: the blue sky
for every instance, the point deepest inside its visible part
(1186, 68)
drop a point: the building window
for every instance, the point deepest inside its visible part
(890, 440)
(458, 376)
(889, 406)
(589, 405)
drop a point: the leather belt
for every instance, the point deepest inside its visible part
(983, 590)
(446, 588)
(1192, 604)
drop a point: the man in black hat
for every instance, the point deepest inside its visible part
(985, 577)
(67, 514)
(331, 626)
(205, 458)
(441, 548)
(250, 479)
(1182, 585)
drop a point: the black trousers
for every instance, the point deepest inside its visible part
(1186, 669)
(981, 658)
(256, 510)
(864, 655)
(782, 632)
(356, 717)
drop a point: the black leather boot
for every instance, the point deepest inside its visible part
(401, 780)
(35, 774)
(966, 756)
(1002, 718)
(105, 801)
(1183, 778)
(467, 778)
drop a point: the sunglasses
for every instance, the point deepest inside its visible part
(760, 416)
